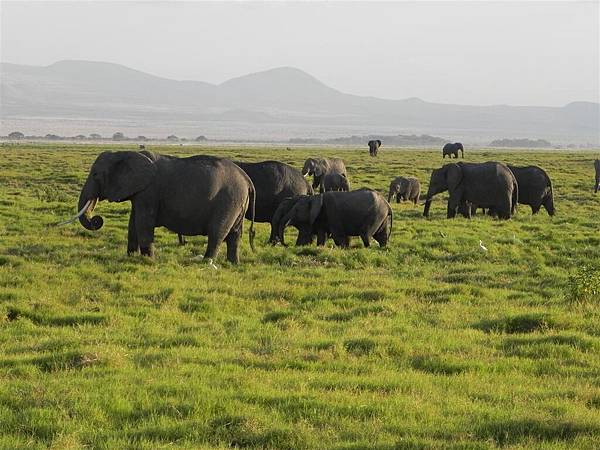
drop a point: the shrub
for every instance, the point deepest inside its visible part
(584, 285)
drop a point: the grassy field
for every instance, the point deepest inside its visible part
(431, 343)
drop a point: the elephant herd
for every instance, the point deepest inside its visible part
(211, 196)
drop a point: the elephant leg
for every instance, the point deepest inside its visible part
(341, 241)
(181, 238)
(144, 225)
(233, 243)
(365, 239)
(535, 208)
(321, 237)
(381, 236)
(132, 240)
(451, 212)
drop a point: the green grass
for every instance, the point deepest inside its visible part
(431, 343)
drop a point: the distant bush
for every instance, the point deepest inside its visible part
(142, 138)
(16, 135)
(173, 138)
(201, 138)
(584, 285)
(53, 137)
(528, 143)
(95, 136)
(118, 136)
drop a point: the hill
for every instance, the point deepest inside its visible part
(283, 97)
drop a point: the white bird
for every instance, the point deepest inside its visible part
(482, 246)
(211, 264)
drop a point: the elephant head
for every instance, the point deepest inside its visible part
(116, 177)
(302, 213)
(397, 187)
(460, 147)
(373, 146)
(443, 179)
(316, 168)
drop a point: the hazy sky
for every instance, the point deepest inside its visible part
(534, 53)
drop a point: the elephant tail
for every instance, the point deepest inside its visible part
(252, 205)
(515, 197)
(391, 216)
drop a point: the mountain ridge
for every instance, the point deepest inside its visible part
(96, 89)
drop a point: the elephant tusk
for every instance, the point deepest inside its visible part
(79, 214)
(306, 175)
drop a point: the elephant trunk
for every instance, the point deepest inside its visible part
(427, 206)
(389, 196)
(87, 202)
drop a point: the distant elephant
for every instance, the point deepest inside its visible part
(317, 167)
(597, 167)
(405, 189)
(200, 195)
(333, 181)
(363, 213)
(452, 149)
(535, 188)
(274, 181)
(374, 147)
(486, 185)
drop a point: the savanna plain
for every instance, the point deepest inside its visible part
(430, 343)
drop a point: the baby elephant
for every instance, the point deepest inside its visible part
(334, 181)
(363, 213)
(405, 189)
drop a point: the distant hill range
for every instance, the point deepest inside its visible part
(282, 96)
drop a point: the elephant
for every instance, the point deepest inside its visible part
(317, 167)
(535, 188)
(306, 231)
(487, 185)
(597, 167)
(452, 149)
(273, 181)
(405, 189)
(363, 213)
(199, 195)
(374, 147)
(333, 181)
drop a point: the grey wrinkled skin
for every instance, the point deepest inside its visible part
(317, 167)
(200, 195)
(274, 181)
(363, 213)
(452, 149)
(405, 189)
(333, 181)
(535, 188)
(374, 147)
(487, 185)
(597, 184)
(306, 232)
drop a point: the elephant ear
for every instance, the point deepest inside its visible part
(318, 170)
(130, 173)
(378, 142)
(316, 203)
(454, 176)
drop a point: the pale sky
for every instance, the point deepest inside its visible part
(521, 53)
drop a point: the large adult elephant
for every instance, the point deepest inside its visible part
(274, 181)
(487, 185)
(317, 167)
(363, 213)
(200, 195)
(405, 189)
(535, 188)
(452, 149)
(597, 167)
(374, 147)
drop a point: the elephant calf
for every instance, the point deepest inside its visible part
(317, 167)
(597, 167)
(363, 213)
(535, 188)
(333, 181)
(405, 189)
